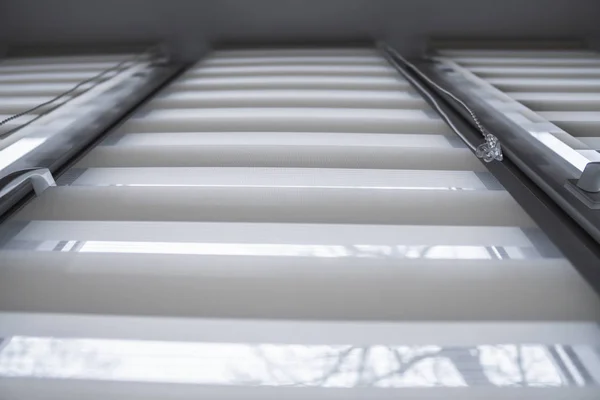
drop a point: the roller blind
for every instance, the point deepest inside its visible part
(289, 223)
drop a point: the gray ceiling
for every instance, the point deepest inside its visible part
(189, 26)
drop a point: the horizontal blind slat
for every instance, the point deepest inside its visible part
(292, 82)
(287, 98)
(431, 290)
(285, 177)
(340, 69)
(219, 232)
(286, 119)
(300, 156)
(277, 205)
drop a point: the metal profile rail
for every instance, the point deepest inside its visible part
(538, 159)
(53, 107)
(542, 99)
(547, 93)
(41, 179)
(528, 173)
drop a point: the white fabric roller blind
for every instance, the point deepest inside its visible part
(283, 218)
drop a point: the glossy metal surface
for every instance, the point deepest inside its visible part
(63, 135)
(40, 178)
(590, 178)
(539, 163)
